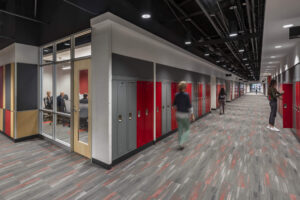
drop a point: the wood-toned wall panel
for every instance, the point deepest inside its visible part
(27, 123)
(1, 120)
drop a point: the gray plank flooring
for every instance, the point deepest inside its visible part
(231, 156)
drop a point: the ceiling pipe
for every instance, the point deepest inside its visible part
(79, 7)
(250, 24)
(217, 30)
(22, 16)
(35, 8)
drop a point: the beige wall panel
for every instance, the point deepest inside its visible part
(27, 123)
(1, 120)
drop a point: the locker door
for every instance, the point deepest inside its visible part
(189, 91)
(169, 105)
(131, 115)
(149, 114)
(195, 99)
(164, 108)
(298, 108)
(115, 85)
(173, 93)
(200, 95)
(7, 123)
(140, 114)
(122, 119)
(158, 110)
(203, 99)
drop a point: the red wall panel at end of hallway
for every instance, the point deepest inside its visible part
(158, 110)
(7, 123)
(287, 105)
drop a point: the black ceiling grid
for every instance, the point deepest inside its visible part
(208, 23)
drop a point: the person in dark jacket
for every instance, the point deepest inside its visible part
(48, 101)
(84, 100)
(61, 105)
(184, 111)
(222, 99)
(273, 95)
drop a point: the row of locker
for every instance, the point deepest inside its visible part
(133, 111)
(219, 87)
(297, 108)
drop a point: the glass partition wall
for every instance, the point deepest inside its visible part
(57, 83)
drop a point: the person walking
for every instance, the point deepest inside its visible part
(222, 99)
(184, 112)
(273, 95)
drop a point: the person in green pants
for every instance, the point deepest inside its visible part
(184, 112)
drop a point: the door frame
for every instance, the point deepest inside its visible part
(81, 147)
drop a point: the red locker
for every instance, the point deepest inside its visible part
(207, 98)
(287, 105)
(298, 108)
(7, 123)
(189, 90)
(158, 110)
(144, 112)
(174, 90)
(200, 96)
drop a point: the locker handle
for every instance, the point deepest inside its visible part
(163, 107)
(146, 112)
(139, 114)
(157, 109)
(120, 118)
(285, 105)
(130, 116)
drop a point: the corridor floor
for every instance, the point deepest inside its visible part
(231, 156)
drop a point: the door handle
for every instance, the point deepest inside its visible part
(146, 112)
(120, 118)
(130, 116)
(139, 114)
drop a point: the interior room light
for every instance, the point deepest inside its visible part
(244, 59)
(218, 61)
(288, 26)
(67, 43)
(233, 34)
(278, 47)
(241, 50)
(66, 68)
(146, 16)
(46, 50)
(207, 54)
(188, 42)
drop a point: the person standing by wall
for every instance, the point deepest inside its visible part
(222, 99)
(184, 112)
(273, 95)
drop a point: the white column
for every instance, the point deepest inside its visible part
(213, 89)
(101, 92)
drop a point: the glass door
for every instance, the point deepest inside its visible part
(82, 108)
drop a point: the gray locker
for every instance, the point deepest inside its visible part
(166, 107)
(124, 117)
(169, 107)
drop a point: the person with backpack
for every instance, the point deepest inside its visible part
(273, 95)
(184, 113)
(222, 99)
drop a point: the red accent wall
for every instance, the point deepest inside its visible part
(84, 81)
(7, 123)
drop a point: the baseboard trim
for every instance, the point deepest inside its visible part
(20, 139)
(101, 164)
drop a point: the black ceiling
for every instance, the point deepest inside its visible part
(207, 23)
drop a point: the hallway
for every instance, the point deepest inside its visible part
(231, 156)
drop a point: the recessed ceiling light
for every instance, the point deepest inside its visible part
(218, 61)
(241, 50)
(187, 42)
(146, 16)
(233, 34)
(278, 47)
(245, 59)
(66, 68)
(288, 26)
(207, 54)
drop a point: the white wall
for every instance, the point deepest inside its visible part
(7, 55)
(26, 53)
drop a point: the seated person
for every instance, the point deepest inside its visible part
(48, 101)
(85, 99)
(61, 105)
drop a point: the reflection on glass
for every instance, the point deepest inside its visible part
(83, 45)
(63, 87)
(47, 123)
(47, 54)
(47, 87)
(63, 51)
(83, 106)
(62, 128)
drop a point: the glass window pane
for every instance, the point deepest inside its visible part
(47, 123)
(83, 45)
(47, 54)
(83, 106)
(47, 98)
(63, 87)
(63, 51)
(62, 129)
